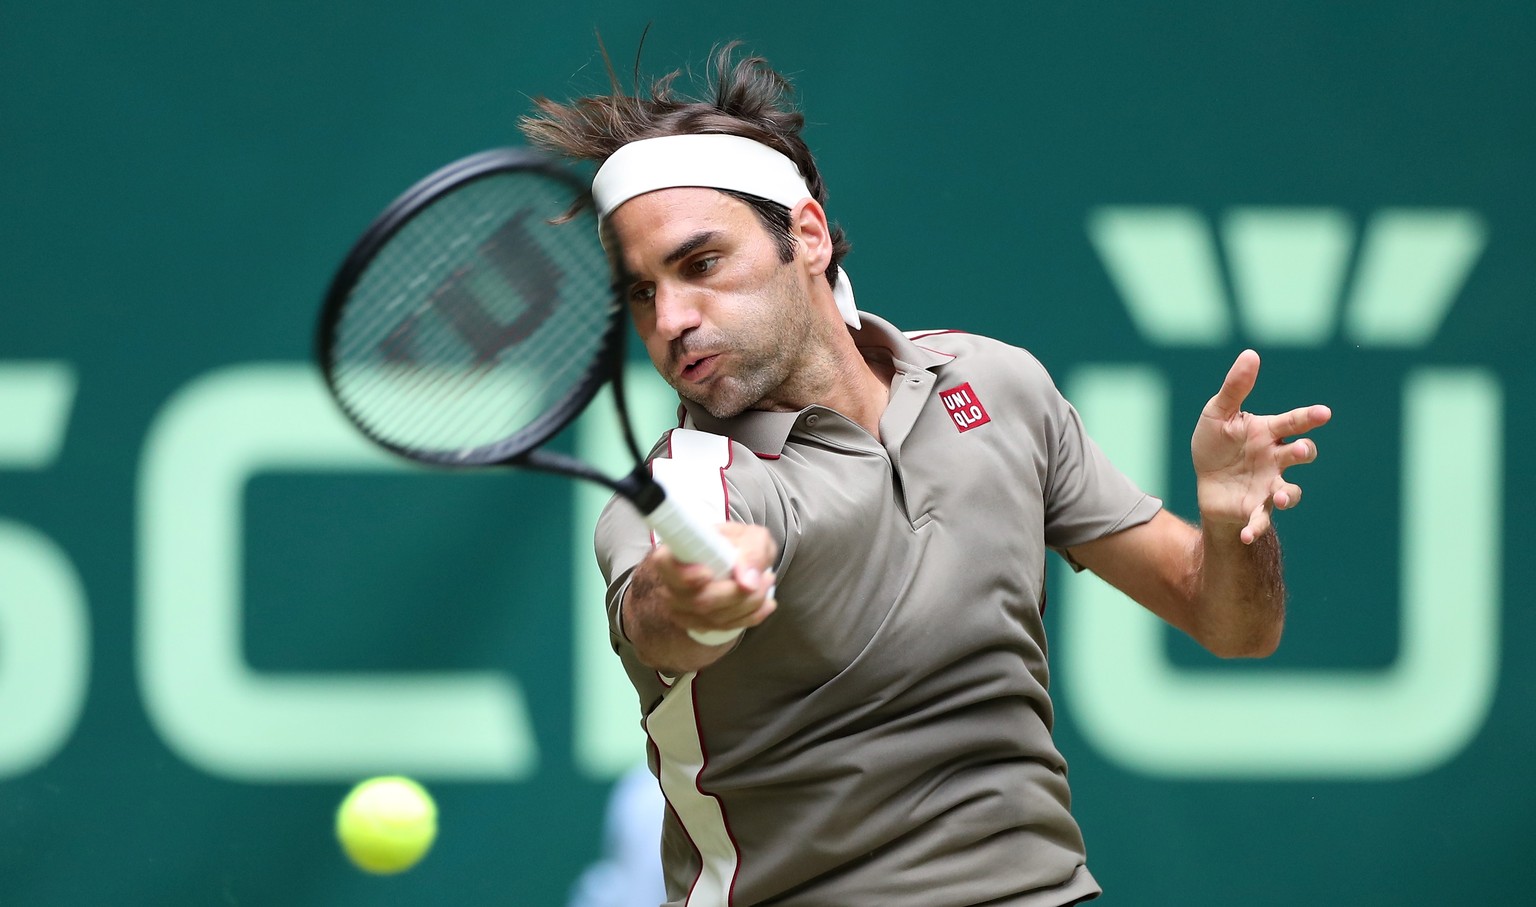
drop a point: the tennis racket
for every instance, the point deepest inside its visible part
(476, 317)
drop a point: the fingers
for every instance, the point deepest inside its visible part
(1296, 452)
(1240, 458)
(1236, 387)
(1258, 524)
(725, 605)
(1287, 496)
(1299, 421)
(680, 579)
(756, 551)
(698, 600)
(1239, 383)
(1284, 496)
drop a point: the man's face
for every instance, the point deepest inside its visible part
(720, 314)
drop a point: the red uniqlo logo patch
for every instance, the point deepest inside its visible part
(964, 409)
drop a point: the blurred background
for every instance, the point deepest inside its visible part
(218, 610)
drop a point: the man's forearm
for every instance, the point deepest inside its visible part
(1241, 594)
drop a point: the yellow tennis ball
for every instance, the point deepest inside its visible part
(386, 825)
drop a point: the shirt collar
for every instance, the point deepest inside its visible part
(767, 432)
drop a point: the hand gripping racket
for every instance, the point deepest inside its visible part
(474, 320)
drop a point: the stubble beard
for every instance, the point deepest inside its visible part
(765, 351)
(754, 379)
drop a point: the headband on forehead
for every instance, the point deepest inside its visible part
(714, 161)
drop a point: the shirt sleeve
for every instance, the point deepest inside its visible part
(620, 541)
(1086, 496)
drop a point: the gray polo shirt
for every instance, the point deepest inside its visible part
(884, 738)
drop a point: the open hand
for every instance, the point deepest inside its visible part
(1240, 458)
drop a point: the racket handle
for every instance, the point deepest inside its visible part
(693, 542)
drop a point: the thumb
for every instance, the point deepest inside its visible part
(1236, 387)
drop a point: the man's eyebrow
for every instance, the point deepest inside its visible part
(690, 244)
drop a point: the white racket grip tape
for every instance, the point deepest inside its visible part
(693, 542)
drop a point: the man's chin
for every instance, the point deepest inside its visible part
(721, 407)
(727, 410)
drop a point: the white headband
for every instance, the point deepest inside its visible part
(716, 161)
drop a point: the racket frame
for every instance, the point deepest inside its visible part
(523, 447)
(692, 542)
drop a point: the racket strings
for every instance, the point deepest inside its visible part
(475, 319)
(465, 404)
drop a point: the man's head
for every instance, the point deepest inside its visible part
(749, 99)
(733, 286)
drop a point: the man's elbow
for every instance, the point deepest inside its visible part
(1260, 642)
(1260, 649)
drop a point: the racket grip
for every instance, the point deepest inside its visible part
(693, 542)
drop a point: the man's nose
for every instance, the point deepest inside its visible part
(677, 311)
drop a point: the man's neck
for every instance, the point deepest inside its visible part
(842, 379)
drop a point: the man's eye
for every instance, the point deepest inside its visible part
(642, 294)
(703, 265)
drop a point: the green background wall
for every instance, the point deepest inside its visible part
(193, 556)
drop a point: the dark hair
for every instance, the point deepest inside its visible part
(750, 99)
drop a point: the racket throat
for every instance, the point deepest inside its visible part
(641, 490)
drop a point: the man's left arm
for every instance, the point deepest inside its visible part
(1220, 582)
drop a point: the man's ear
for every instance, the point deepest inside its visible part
(808, 222)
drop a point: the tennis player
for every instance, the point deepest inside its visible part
(880, 733)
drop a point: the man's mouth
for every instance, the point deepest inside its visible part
(697, 368)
